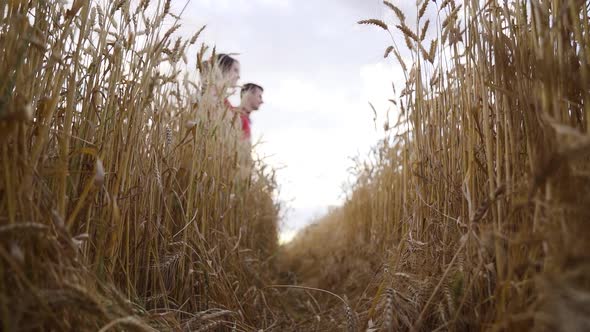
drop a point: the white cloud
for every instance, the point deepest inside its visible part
(276, 3)
(241, 6)
(309, 96)
(287, 236)
(377, 79)
(294, 94)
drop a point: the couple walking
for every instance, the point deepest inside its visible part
(227, 76)
(220, 77)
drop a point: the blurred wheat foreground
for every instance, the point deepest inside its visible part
(124, 205)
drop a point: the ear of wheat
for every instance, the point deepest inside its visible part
(375, 22)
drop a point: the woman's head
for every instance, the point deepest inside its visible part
(230, 69)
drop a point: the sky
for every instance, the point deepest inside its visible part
(319, 70)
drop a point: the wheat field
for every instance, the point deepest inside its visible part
(125, 203)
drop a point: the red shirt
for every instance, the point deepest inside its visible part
(245, 117)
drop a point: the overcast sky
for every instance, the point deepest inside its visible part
(319, 70)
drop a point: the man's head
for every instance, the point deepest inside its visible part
(251, 95)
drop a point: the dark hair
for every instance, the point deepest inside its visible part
(250, 86)
(225, 62)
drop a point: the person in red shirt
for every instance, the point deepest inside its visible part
(251, 99)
